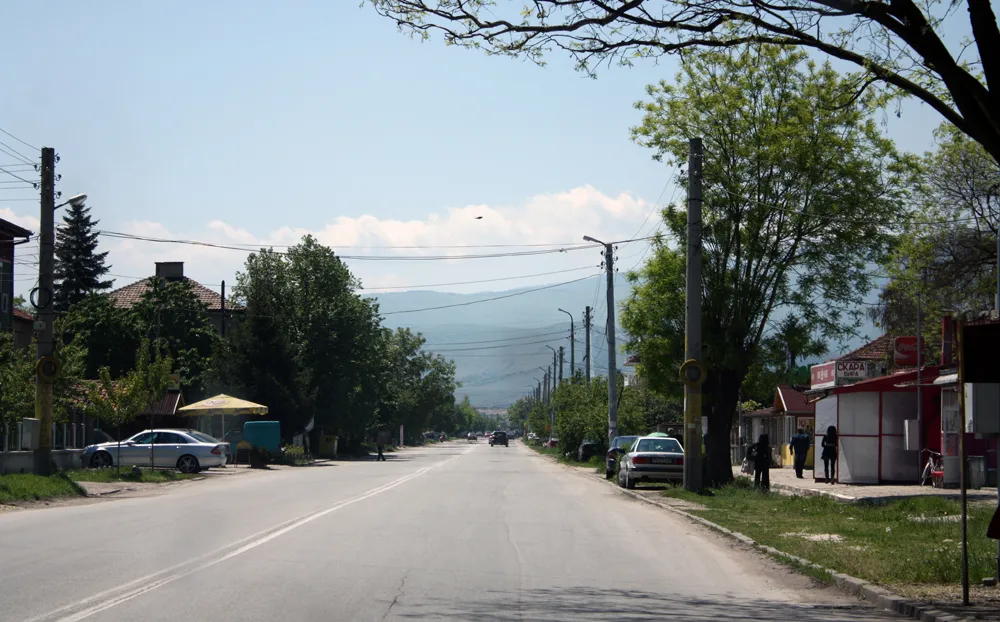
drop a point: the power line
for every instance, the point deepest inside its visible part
(19, 140)
(469, 343)
(509, 345)
(14, 153)
(17, 177)
(473, 302)
(506, 278)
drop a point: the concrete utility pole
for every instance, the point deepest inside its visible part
(692, 371)
(572, 347)
(609, 267)
(562, 358)
(42, 300)
(586, 356)
(555, 354)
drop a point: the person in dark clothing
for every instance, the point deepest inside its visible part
(760, 455)
(829, 454)
(800, 449)
(380, 441)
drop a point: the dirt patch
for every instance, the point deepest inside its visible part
(985, 601)
(815, 537)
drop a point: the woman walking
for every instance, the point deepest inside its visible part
(760, 455)
(829, 454)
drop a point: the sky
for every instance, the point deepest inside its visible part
(255, 123)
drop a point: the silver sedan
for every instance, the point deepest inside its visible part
(188, 451)
(651, 459)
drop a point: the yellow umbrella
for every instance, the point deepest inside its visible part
(223, 405)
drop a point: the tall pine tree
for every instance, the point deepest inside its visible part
(79, 267)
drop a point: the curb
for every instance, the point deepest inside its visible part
(875, 594)
(859, 588)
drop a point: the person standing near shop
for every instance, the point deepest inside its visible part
(380, 440)
(760, 456)
(829, 454)
(799, 447)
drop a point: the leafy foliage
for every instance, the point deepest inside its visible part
(787, 162)
(79, 267)
(117, 402)
(899, 45)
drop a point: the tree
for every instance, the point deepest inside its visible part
(17, 376)
(898, 44)
(787, 163)
(108, 335)
(119, 401)
(948, 253)
(79, 267)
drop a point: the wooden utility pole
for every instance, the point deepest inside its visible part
(46, 368)
(562, 358)
(962, 480)
(692, 371)
(586, 355)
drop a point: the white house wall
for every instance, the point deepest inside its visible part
(898, 464)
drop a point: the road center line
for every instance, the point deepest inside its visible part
(127, 591)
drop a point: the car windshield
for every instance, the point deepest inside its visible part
(201, 436)
(624, 441)
(666, 445)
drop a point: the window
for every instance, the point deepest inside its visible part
(143, 438)
(663, 445)
(205, 438)
(169, 438)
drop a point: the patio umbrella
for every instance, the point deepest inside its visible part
(223, 405)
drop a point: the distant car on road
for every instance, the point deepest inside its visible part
(619, 445)
(651, 459)
(188, 451)
(498, 438)
(472, 438)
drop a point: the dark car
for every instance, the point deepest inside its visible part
(619, 445)
(588, 449)
(498, 438)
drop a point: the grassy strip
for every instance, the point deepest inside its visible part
(29, 487)
(126, 474)
(905, 542)
(559, 454)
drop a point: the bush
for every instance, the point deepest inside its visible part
(294, 455)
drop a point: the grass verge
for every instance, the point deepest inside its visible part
(126, 474)
(906, 542)
(29, 487)
(597, 462)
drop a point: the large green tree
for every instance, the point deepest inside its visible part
(789, 162)
(79, 267)
(898, 45)
(947, 254)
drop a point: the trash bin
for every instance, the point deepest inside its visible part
(977, 472)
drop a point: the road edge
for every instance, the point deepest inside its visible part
(859, 588)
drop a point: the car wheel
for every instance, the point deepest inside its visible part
(188, 464)
(621, 482)
(100, 460)
(629, 482)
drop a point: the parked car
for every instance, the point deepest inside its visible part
(619, 445)
(651, 459)
(471, 437)
(589, 448)
(188, 451)
(498, 438)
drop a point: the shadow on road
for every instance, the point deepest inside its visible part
(621, 604)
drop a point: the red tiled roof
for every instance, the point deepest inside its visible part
(166, 405)
(876, 350)
(763, 412)
(125, 297)
(23, 315)
(792, 402)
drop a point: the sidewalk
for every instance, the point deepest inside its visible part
(784, 480)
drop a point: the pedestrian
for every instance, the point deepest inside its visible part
(799, 447)
(760, 455)
(829, 454)
(380, 440)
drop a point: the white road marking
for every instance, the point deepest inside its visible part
(127, 591)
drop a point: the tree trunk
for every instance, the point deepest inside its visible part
(721, 391)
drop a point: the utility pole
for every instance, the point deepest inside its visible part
(586, 324)
(222, 331)
(572, 346)
(555, 354)
(562, 358)
(962, 480)
(609, 268)
(692, 371)
(43, 303)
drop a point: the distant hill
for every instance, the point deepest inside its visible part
(498, 345)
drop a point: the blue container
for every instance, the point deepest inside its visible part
(263, 434)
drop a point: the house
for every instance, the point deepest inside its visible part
(10, 236)
(790, 411)
(171, 271)
(23, 327)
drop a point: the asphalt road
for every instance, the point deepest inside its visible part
(453, 531)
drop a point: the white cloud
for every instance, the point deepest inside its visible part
(559, 218)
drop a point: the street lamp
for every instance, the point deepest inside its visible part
(572, 345)
(76, 201)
